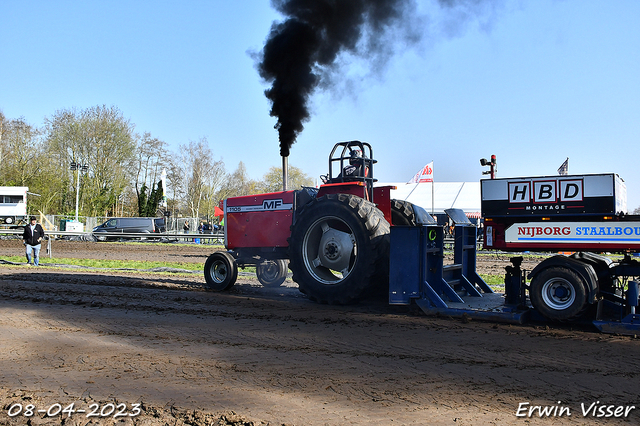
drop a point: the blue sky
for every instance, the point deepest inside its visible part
(533, 82)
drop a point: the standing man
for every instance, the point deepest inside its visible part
(185, 229)
(32, 237)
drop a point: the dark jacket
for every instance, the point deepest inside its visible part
(30, 239)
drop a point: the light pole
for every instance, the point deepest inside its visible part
(79, 168)
(493, 164)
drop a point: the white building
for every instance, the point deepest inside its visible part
(435, 197)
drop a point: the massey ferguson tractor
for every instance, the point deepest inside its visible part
(334, 239)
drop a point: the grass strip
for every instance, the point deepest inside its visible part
(111, 264)
(119, 264)
(496, 282)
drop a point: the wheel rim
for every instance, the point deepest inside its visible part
(269, 270)
(329, 250)
(219, 271)
(558, 293)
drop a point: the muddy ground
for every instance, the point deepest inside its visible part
(163, 348)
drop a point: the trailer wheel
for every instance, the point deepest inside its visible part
(220, 271)
(337, 245)
(559, 294)
(272, 273)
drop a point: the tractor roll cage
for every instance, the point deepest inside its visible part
(341, 158)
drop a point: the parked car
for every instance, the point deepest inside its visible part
(128, 225)
(160, 224)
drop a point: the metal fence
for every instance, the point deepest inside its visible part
(55, 222)
(216, 238)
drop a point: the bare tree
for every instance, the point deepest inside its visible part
(151, 153)
(151, 156)
(215, 180)
(202, 176)
(2, 120)
(239, 183)
(175, 183)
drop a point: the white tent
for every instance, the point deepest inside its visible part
(445, 195)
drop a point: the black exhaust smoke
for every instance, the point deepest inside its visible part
(304, 51)
(301, 52)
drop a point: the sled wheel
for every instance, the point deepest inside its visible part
(220, 271)
(272, 273)
(337, 244)
(558, 293)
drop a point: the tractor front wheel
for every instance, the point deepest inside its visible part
(337, 244)
(272, 273)
(220, 271)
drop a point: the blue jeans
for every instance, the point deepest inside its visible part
(36, 254)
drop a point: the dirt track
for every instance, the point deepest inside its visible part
(271, 356)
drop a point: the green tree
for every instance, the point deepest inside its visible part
(101, 138)
(154, 200)
(148, 205)
(23, 162)
(142, 201)
(21, 152)
(272, 180)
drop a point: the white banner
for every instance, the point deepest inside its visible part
(424, 175)
(575, 232)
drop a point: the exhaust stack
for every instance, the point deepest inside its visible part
(285, 172)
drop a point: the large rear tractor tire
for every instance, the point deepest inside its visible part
(558, 294)
(338, 244)
(220, 271)
(404, 213)
(272, 273)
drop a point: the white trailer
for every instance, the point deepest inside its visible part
(13, 204)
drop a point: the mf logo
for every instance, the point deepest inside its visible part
(272, 204)
(546, 191)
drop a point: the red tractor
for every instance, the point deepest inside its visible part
(335, 239)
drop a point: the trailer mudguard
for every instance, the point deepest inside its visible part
(579, 266)
(603, 266)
